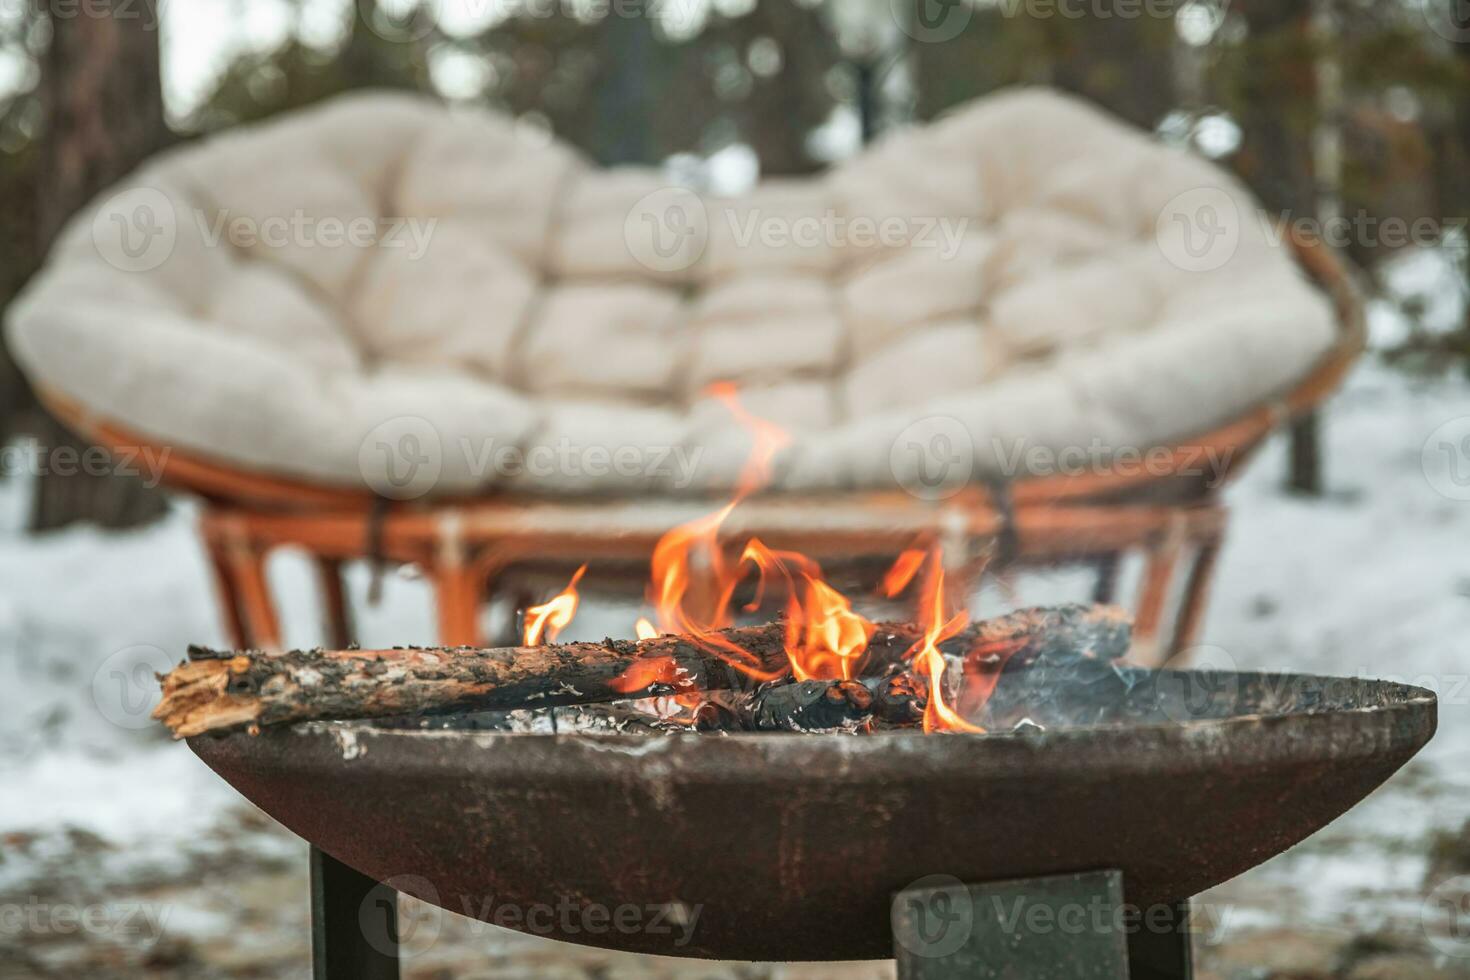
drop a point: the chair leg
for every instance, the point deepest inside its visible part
(226, 588)
(336, 608)
(1105, 588)
(262, 627)
(457, 599)
(1158, 576)
(1196, 596)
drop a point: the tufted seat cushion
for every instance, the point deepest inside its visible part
(1026, 272)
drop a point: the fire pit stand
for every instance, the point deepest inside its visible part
(354, 923)
(1061, 927)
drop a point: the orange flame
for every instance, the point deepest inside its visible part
(824, 638)
(897, 578)
(693, 584)
(551, 617)
(928, 660)
(698, 542)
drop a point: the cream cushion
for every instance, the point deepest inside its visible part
(295, 296)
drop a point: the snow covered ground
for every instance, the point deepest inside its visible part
(1372, 580)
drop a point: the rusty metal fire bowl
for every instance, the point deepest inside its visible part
(791, 846)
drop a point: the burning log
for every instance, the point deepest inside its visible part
(812, 706)
(217, 691)
(899, 699)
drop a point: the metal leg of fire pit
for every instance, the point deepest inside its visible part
(354, 923)
(1066, 927)
(1159, 947)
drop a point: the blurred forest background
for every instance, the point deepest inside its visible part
(1348, 109)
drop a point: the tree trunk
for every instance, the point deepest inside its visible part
(1119, 55)
(624, 121)
(1461, 205)
(102, 105)
(1277, 106)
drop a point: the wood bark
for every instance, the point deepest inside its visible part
(102, 111)
(218, 691)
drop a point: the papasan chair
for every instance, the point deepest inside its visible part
(1025, 330)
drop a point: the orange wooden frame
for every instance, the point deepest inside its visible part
(466, 545)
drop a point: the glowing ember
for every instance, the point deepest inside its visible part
(645, 673)
(550, 618)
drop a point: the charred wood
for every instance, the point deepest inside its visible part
(217, 691)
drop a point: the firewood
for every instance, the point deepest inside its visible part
(811, 706)
(899, 699)
(217, 691)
